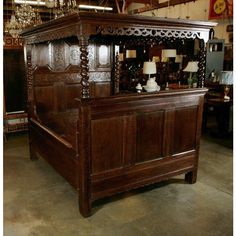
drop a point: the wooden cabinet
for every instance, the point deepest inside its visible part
(15, 115)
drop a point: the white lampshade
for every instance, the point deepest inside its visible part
(168, 53)
(226, 77)
(191, 67)
(130, 54)
(149, 67)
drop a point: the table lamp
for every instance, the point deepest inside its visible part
(149, 67)
(130, 54)
(226, 78)
(192, 67)
(168, 53)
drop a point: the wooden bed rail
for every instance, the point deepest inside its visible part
(51, 133)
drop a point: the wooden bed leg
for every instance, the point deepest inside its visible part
(85, 206)
(191, 177)
(33, 155)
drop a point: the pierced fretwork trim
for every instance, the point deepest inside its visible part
(133, 31)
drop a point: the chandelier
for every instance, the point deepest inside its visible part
(23, 17)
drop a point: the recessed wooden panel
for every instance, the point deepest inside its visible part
(44, 98)
(185, 129)
(150, 133)
(102, 89)
(72, 91)
(107, 146)
(113, 143)
(40, 55)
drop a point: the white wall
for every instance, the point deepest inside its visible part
(197, 10)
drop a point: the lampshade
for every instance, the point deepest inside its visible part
(226, 77)
(130, 54)
(179, 59)
(121, 57)
(149, 67)
(168, 53)
(191, 67)
(156, 59)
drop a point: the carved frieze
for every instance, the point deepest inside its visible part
(59, 60)
(152, 32)
(52, 35)
(12, 43)
(100, 76)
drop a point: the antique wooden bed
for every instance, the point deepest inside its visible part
(103, 141)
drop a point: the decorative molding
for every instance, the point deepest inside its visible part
(29, 76)
(12, 43)
(52, 35)
(145, 32)
(100, 76)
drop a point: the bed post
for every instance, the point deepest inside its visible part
(84, 132)
(202, 64)
(117, 74)
(84, 158)
(83, 43)
(30, 95)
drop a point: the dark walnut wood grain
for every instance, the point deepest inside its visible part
(102, 143)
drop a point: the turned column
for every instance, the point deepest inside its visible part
(117, 74)
(202, 64)
(84, 69)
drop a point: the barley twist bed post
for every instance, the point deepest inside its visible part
(117, 74)
(83, 133)
(202, 64)
(83, 43)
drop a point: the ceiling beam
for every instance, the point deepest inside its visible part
(156, 5)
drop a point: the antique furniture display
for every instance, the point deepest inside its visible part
(102, 138)
(14, 105)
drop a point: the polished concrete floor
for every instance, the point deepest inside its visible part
(38, 202)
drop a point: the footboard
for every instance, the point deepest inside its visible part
(125, 142)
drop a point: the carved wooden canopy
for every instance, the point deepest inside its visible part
(87, 24)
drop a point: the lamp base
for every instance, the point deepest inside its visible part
(226, 98)
(190, 81)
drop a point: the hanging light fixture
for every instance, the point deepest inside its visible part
(22, 17)
(12, 26)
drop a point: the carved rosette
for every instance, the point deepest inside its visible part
(84, 68)
(202, 64)
(117, 74)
